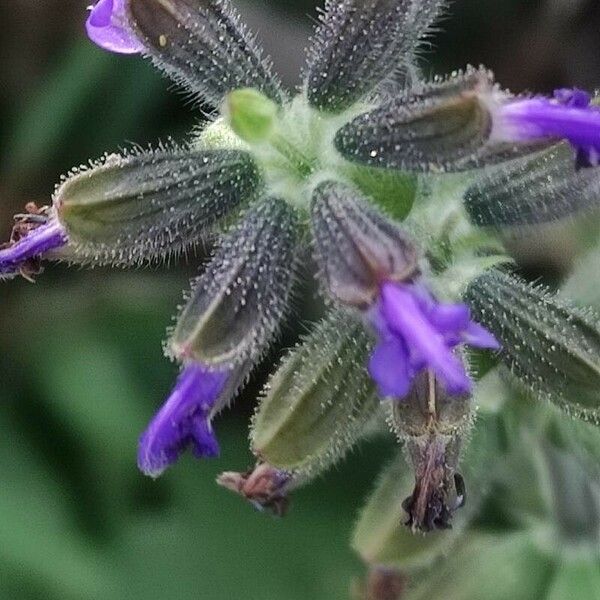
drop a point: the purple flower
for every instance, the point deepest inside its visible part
(107, 27)
(416, 333)
(569, 115)
(32, 241)
(184, 420)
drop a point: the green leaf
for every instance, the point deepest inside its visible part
(38, 540)
(576, 580)
(494, 567)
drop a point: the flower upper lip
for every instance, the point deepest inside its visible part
(107, 27)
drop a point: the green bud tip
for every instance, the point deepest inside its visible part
(250, 114)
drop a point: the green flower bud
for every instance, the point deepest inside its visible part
(251, 114)
(319, 402)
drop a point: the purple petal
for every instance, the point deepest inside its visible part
(107, 27)
(204, 442)
(37, 242)
(458, 383)
(389, 369)
(478, 336)
(183, 420)
(449, 318)
(573, 97)
(405, 317)
(538, 118)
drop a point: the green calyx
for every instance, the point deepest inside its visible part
(551, 346)
(319, 402)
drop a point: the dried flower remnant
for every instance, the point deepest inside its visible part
(265, 487)
(433, 425)
(357, 176)
(34, 235)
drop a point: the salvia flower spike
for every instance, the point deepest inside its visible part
(352, 168)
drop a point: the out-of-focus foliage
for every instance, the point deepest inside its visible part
(84, 373)
(81, 367)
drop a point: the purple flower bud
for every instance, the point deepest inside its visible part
(416, 333)
(33, 236)
(184, 420)
(107, 27)
(569, 115)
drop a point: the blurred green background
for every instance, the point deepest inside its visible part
(81, 366)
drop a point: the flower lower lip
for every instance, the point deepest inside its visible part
(415, 333)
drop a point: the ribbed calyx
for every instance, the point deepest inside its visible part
(237, 305)
(552, 347)
(360, 44)
(535, 189)
(203, 46)
(356, 246)
(145, 206)
(317, 404)
(443, 126)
